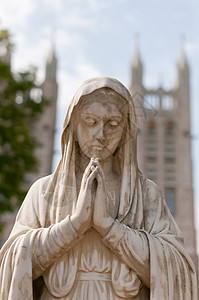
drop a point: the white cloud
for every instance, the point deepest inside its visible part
(56, 5)
(86, 70)
(78, 14)
(14, 13)
(178, 15)
(64, 39)
(130, 18)
(91, 5)
(97, 5)
(28, 55)
(76, 20)
(192, 48)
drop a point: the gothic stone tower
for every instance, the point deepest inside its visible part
(164, 143)
(44, 131)
(44, 128)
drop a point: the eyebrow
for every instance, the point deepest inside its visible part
(114, 116)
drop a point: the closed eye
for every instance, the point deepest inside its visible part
(113, 123)
(90, 121)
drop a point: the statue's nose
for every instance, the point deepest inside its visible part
(101, 139)
(100, 134)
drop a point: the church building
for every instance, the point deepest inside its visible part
(164, 142)
(44, 131)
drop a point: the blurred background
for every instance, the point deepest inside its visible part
(52, 46)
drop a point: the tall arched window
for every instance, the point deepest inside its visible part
(151, 151)
(170, 164)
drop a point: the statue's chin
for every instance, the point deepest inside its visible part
(100, 154)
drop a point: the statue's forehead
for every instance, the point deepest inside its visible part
(107, 97)
(100, 108)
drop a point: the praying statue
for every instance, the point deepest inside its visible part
(97, 228)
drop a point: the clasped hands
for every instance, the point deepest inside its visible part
(92, 206)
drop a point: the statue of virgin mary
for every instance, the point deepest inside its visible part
(96, 228)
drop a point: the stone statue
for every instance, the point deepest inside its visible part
(96, 228)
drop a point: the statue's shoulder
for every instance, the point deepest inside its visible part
(36, 193)
(149, 187)
(41, 183)
(147, 183)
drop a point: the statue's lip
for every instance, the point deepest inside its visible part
(99, 147)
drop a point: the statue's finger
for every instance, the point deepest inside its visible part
(92, 176)
(88, 170)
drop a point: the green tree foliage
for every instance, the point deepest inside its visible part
(19, 109)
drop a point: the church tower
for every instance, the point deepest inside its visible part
(50, 91)
(164, 143)
(44, 128)
(137, 68)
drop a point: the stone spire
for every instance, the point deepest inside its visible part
(47, 124)
(137, 67)
(183, 69)
(51, 64)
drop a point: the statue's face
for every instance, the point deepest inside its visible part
(100, 125)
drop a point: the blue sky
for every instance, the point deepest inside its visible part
(97, 38)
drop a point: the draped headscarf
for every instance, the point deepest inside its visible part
(61, 191)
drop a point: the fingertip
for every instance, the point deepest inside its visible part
(96, 169)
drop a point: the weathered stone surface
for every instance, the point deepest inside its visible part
(97, 228)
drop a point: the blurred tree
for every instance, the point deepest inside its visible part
(20, 107)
